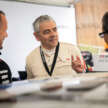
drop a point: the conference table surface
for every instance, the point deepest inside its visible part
(96, 98)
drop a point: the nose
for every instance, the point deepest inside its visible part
(53, 35)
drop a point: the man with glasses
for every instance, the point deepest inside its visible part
(104, 34)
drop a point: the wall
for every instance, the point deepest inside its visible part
(88, 21)
(20, 39)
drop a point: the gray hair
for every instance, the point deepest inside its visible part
(42, 18)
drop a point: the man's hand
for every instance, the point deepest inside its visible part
(76, 64)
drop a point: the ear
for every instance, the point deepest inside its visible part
(36, 36)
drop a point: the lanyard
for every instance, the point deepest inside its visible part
(54, 60)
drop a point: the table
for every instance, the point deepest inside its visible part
(97, 98)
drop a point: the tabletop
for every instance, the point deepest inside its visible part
(80, 96)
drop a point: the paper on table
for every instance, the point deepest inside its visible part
(23, 87)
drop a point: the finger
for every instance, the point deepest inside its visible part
(78, 58)
(78, 69)
(72, 58)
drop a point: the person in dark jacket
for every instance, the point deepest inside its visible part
(5, 72)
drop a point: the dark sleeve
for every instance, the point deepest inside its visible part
(5, 71)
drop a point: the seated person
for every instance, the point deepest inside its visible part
(104, 34)
(52, 58)
(5, 73)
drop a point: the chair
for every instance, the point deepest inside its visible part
(22, 75)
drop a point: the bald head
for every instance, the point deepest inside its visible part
(3, 28)
(1, 13)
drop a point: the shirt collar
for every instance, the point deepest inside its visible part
(49, 52)
(61, 55)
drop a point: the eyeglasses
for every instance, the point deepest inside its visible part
(103, 33)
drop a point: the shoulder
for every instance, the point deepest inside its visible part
(33, 53)
(70, 48)
(5, 70)
(67, 45)
(3, 64)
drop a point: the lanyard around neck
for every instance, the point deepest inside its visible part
(54, 60)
